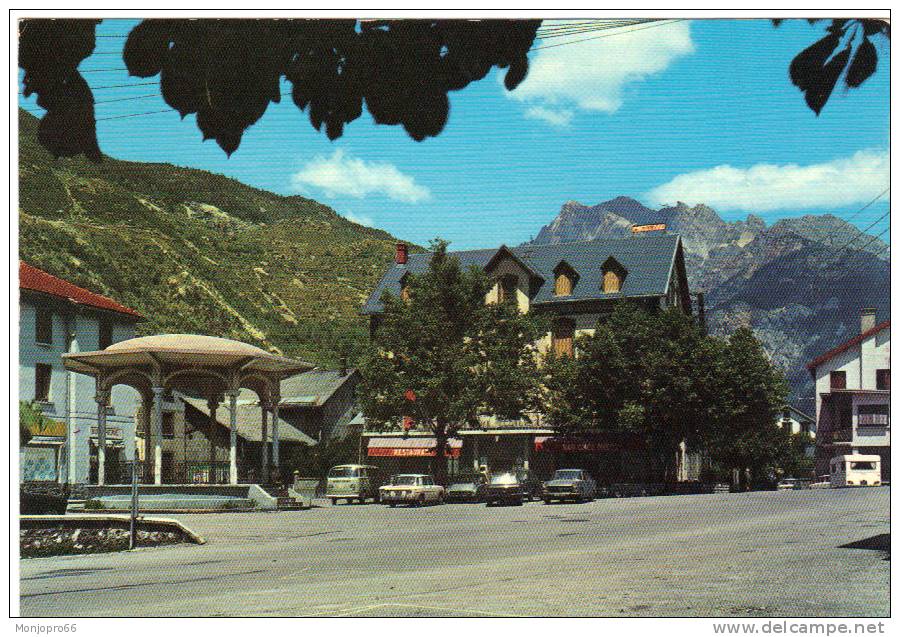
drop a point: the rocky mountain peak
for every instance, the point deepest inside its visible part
(780, 279)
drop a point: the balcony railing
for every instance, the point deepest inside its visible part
(873, 420)
(179, 473)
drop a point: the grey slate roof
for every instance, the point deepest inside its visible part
(313, 388)
(249, 422)
(647, 258)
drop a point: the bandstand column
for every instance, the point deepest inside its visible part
(275, 433)
(264, 474)
(157, 434)
(232, 458)
(212, 404)
(102, 398)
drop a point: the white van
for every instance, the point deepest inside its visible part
(352, 482)
(856, 470)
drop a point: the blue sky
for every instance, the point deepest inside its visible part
(698, 111)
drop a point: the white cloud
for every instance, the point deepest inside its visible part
(342, 175)
(363, 220)
(764, 187)
(562, 117)
(590, 75)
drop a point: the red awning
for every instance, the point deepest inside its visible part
(590, 443)
(411, 447)
(539, 442)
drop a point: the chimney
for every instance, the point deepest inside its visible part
(400, 256)
(866, 319)
(343, 366)
(701, 313)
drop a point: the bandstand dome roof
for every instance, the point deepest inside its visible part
(183, 343)
(184, 350)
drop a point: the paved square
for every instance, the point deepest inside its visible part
(752, 554)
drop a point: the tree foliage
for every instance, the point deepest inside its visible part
(846, 51)
(443, 357)
(745, 434)
(31, 420)
(655, 374)
(229, 71)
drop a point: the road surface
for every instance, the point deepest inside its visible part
(753, 554)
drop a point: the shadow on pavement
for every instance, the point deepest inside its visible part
(881, 542)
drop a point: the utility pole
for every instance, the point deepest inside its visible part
(132, 536)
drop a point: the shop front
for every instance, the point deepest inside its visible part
(413, 454)
(609, 457)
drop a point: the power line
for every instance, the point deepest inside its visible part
(874, 239)
(607, 35)
(880, 195)
(588, 29)
(168, 110)
(100, 88)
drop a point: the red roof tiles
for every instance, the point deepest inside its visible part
(31, 278)
(856, 340)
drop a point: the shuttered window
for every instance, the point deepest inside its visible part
(839, 380)
(612, 282)
(564, 337)
(42, 376)
(106, 334)
(43, 329)
(506, 290)
(563, 284)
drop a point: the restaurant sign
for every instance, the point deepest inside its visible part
(648, 227)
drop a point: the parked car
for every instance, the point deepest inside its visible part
(822, 482)
(414, 489)
(531, 485)
(790, 484)
(569, 484)
(505, 488)
(352, 482)
(31, 503)
(467, 487)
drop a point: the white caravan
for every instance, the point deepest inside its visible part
(856, 470)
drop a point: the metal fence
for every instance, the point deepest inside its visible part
(181, 473)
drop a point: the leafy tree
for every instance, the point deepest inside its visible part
(443, 357)
(586, 394)
(228, 71)
(640, 372)
(846, 51)
(796, 463)
(745, 435)
(31, 420)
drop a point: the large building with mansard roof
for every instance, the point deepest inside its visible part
(575, 284)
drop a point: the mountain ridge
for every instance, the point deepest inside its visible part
(215, 256)
(784, 280)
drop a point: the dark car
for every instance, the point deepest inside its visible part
(467, 487)
(31, 503)
(532, 487)
(505, 488)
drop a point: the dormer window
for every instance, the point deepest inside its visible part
(565, 279)
(506, 288)
(613, 276)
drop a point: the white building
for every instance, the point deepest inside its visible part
(56, 317)
(853, 392)
(797, 421)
